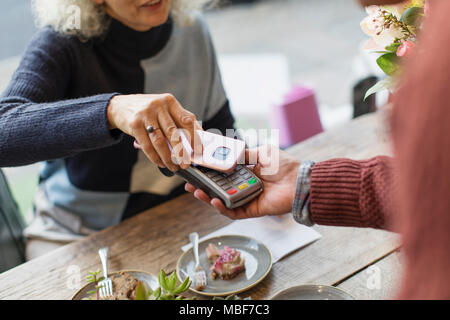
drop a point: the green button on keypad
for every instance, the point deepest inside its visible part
(252, 181)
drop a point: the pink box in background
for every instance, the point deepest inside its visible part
(297, 117)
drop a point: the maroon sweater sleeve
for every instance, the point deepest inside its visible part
(353, 193)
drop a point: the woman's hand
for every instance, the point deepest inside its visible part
(279, 175)
(132, 114)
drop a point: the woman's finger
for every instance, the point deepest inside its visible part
(172, 134)
(198, 126)
(143, 142)
(198, 144)
(186, 120)
(159, 142)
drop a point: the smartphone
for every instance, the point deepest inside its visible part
(220, 153)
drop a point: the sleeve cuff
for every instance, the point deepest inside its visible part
(300, 207)
(92, 126)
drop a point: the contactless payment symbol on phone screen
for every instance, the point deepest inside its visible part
(221, 153)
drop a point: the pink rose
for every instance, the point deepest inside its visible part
(405, 49)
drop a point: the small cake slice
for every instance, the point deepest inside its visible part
(212, 252)
(125, 286)
(226, 263)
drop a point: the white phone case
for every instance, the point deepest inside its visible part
(220, 153)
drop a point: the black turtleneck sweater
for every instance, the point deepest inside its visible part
(55, 109)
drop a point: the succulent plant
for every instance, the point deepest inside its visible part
(168, 289)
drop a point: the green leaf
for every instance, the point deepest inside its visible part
(173, 279)
(388, 63)
(183, 287)
(393, 47)
(141, 291)
(163, 281)
(412, 16)
(385, 84)
(157, 293)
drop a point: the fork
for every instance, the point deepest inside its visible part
(199, 273)
(106, 287)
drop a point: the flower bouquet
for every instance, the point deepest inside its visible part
(393, 33)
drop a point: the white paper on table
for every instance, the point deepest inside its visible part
(282, 235)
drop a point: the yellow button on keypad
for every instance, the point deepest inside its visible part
(243, 186)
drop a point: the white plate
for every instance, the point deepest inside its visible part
(150, 280)
(258, 262)
(312, 292)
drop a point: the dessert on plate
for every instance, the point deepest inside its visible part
(125, 286)
(227, 263)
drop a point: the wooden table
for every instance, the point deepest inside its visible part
(348, 258)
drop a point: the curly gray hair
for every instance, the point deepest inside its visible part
(86, 19)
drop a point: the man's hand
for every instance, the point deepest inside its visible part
(279, 185)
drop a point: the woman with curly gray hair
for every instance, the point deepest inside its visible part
(100, 91)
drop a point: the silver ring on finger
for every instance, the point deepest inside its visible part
(151, 129)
